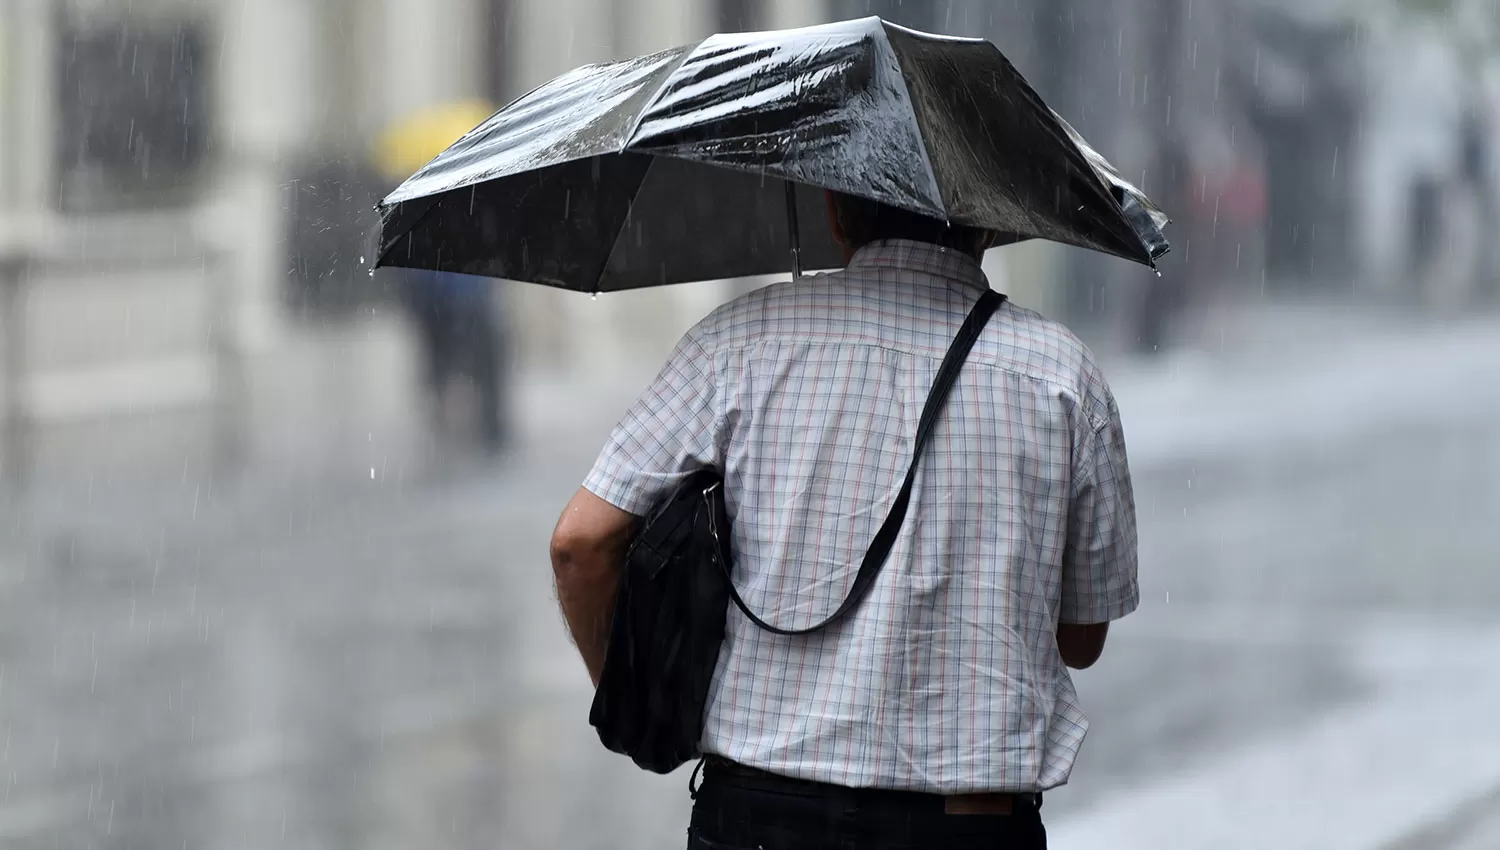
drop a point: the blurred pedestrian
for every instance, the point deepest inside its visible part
(461, 341)
(941, 709)
(1478, 176)
(460, 335)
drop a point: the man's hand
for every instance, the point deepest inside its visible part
(588, 555)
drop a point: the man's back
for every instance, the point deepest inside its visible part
(947, 678)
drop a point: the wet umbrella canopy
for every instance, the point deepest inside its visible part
(697, 163)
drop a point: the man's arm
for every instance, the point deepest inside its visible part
(671, 431)
(1099, 581)
(588, 553)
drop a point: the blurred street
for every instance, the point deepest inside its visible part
(369, 656)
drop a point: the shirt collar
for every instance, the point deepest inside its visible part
(925, 257)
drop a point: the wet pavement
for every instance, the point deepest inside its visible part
(341, 661)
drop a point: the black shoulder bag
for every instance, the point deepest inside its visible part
(675, 592)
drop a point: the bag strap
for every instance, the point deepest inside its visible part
(885, 538)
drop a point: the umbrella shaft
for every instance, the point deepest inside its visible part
(791, 227)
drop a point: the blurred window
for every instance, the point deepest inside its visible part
(134, 112)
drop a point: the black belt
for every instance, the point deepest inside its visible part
(717, 768)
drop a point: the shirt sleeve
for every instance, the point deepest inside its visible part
(1100, 563)
(672, 430)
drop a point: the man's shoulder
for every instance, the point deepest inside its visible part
(761, 309)
(1025, 320)
(1046, 348)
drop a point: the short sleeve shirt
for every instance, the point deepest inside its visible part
(947, 678)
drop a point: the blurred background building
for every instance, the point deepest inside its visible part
(189, 182)
(234, 607)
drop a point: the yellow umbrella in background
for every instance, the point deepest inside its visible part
(412, 142)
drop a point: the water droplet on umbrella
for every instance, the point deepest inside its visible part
(594, 297)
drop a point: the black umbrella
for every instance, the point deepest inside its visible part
(697, 163)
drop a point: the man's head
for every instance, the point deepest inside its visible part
(857, 222)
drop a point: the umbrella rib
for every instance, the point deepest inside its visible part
(635, 127)
(640, 117)
(917, 122)
(614, 244)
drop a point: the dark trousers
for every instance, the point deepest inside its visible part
(737, 812)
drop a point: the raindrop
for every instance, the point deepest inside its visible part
(372, 473)
(361, 260)
(594, 297)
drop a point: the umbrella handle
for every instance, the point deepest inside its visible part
(792, 230)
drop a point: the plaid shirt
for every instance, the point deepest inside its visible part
(947, 678)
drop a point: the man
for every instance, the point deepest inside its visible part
(937, 713)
